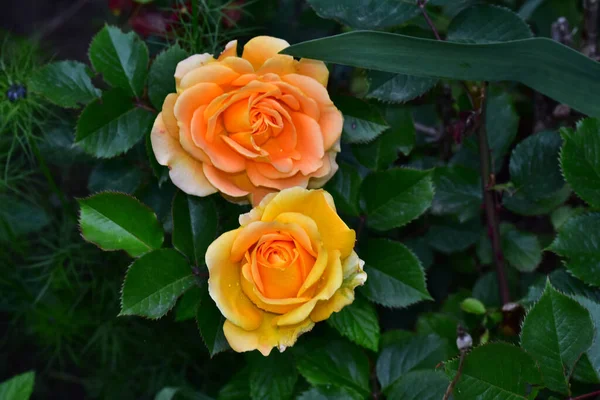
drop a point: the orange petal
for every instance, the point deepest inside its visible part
(279, 64)
(259, 179)
(331, 123)
(236, 117)
(310, 87)
(261, 48)
(213, 72)
(314, 69)
(192, 98)
(239, 65)
(169, 116)
(224, 284)
(189, 64)
(230, 50)
(223, 182)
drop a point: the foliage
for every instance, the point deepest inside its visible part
(471, 176)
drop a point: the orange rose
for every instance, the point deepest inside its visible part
(248, 126)
(289, 265)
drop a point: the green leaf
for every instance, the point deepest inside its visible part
(19, 217)
(534, 166)
(238, 387)
(65, 83)
(457, 192)
(188, 304)
(568, 284)
(366, 14)
(579, 241)
(473, 306)
(555, 332)
(495, 371)
(448, 236)
(210, 324)
(394, 198)
(359, 323)
(57, 146)
(396, 278)
(408, 353)
(520, 204)
(397, 88)
(337, 363)
(154, 282)
(344, 187)
(442, 325)
(591, 358)
(363, 122)
(487, 24)
(555, 70)
(419, 385)
(522, 250)
(529, 7)
(272, 377)
(329, 393)
(112, 125)
(486, 288)
(383, 151)
(580, 160)
(161, 80)
(121, 58)
(421, 249)
(18, 387)
(117, 175)
(116, 221)
(194, 225)
(563, 214)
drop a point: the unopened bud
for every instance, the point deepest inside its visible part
(464, 341)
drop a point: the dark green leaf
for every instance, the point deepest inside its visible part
(337, 363)
(397, 88)
(534, 166)
(121, 58)
(568, 284)
(18, 387)
(112, 125)
(421, 249)
(520, 204)
(194, 225)
(57, 146)
(161, 80)
(238, 388)
(529, 7)
(359, 323)
(591, 358)
(495, 371)
(442, 325)
(396, 278)
(486, 288)
(487, 24)
(449, 236)
(419, 385)
(457, 192)
(19, 217)
(344, 187)
(272, 377)
(154, 282)
(383, 151)
(329, 393)
(580, 160)
(555, 70)
(563, 214)
(65, 83)
(522, 250)
(366, 14)
(116, 221)
(210, 323)
(117, 175)
(363, 122)
(187, 305)
(394, 198)
(555, 332)
(579, 241)
(409, 353)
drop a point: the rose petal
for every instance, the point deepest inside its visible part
(230, 50)
(314, 69)
(261, 48)
(310, 87)
(320, 177)
(168, 114)
(216, 73)
(279, 64)
(189, 64)
(223, 181)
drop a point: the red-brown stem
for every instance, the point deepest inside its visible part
(489, 199)
(585, 396)
(422, 4)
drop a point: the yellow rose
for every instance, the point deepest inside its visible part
(248, 126)
(290, 264)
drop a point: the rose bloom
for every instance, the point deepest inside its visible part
(290, 264)
(248, 126)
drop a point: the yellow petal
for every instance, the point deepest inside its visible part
(230, 50)
(353, 276)
(279, 64)
(224, 284)
(314, 204)
(314, 69)
(213, 72)
(168, 114)
(267, 336)
(190, 64)
(261, 48)
(331, 281)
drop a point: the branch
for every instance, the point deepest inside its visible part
(585, 396)
(489, 198)
(464, 342)
(590, 12)
(421, 4)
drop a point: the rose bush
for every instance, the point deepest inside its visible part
(290, 264)
(248, 126)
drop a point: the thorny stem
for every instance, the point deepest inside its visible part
(489, 199)
(585, 396)
(590, 8)
(452, 384)
(421, 4)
